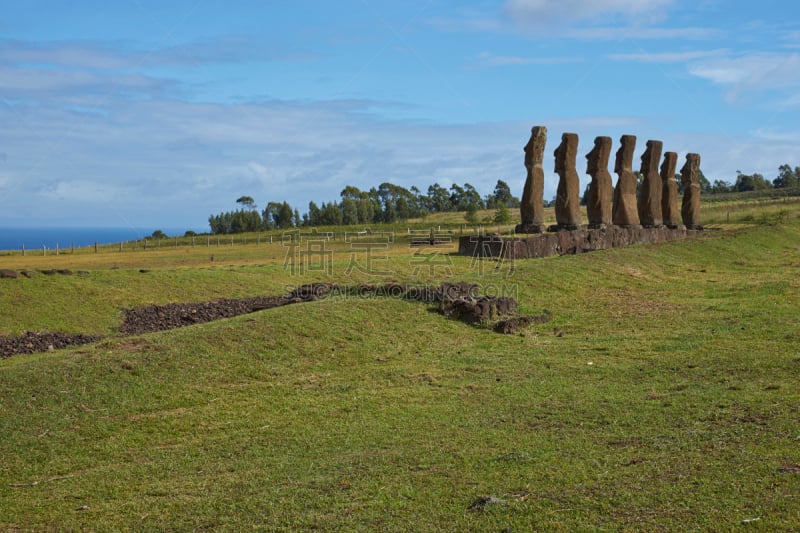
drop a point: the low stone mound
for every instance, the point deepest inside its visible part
(9, 274)
(33, 342)
(460, 301)
(169, 316)
(478, 311)
(313, 291)
(514, 325)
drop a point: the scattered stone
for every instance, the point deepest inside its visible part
(9, 274)
(478, 311)
(481, 503)
(33, 342)
(162, 317)
(514, 325)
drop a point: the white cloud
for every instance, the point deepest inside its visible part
(545, 11)
(748, 72)
(116, 55)
(19, 82)
(487, 59)
(668, 57)
(640, 33)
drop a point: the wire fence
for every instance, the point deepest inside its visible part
(431, 236)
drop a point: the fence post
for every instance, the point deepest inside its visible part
(23, 249)
(56, 249)
(95, 246)
(44, 250)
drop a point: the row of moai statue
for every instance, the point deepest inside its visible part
(655, 205)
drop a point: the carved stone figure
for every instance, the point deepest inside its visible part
(568, 211)
(532, 204)
(690, 209)
(669, 191)
(649, 203)
(625, 210)
(598, 205)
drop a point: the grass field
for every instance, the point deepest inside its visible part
(662, 396)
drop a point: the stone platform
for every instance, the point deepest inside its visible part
(567, 242)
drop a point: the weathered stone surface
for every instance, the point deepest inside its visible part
(11, 274)
(480, 310)
(566, 242)
(601, 192)
(513, 325)
(690, 208)
(33, 342)
(670, 213)
(649, 204)
(625, 209)
(532, 203)
(568, 211)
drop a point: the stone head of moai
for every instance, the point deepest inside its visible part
(651, 156)
(627, 144)
(668, 166)
(597, 159)
(690, 169)
(566, 152)
(534, 150)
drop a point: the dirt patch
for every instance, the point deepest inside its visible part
(32, 342)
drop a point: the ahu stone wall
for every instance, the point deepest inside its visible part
(566, 242)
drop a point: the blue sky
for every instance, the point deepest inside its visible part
(159, 113)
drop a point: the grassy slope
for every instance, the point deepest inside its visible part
(377, 414)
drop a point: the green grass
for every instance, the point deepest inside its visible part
(662, 396)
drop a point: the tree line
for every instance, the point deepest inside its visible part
(388, 203)
(787, 178)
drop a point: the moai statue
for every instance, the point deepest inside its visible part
(669, 191)
(598, 205)
(532, 205)
(649, 203)
(568, 209)
(625, 211)
(690, 209)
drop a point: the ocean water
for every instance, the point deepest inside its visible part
(37, 238)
